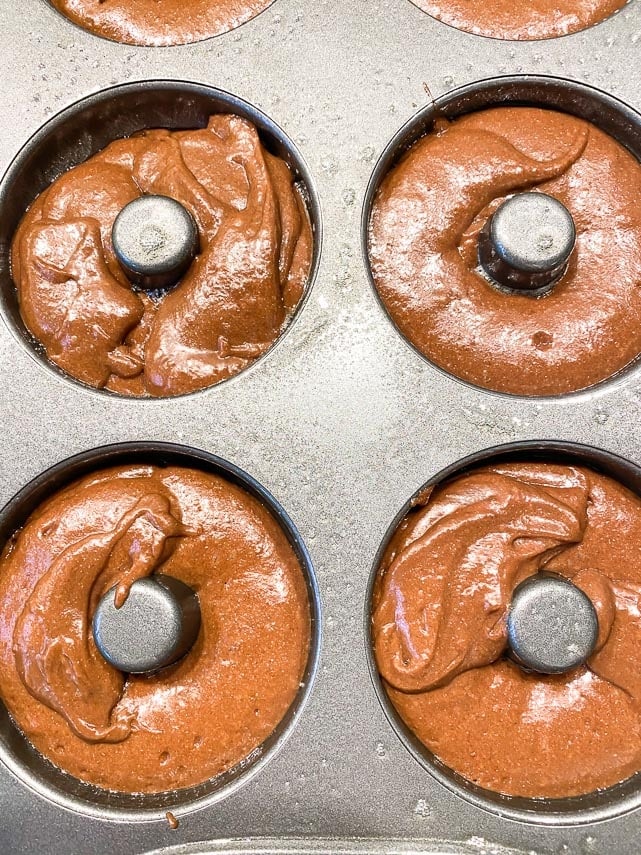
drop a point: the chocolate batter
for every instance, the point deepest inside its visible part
(423, 251)
(204, 714)
(439, 628)
(504, 19)
(160, 22)
(230, 306)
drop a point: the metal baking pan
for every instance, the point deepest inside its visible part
(341, 422)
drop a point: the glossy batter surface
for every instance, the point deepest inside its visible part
(160, 22)
(439, 628)
(230, 306)
(202, 715)
(504, 19)
(424, 251)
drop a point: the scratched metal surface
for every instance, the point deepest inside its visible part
(342, 421)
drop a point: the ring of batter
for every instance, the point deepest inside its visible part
(227, 310)
(538, 19)
(190, 722)
(156, 23)
(423, 234)
(439, 607)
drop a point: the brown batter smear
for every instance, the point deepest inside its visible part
(230, 306)
(160, 22)
(197, 718)
(439, 627)
(423, 251)
(504, 19)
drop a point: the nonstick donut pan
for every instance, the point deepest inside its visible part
(335, 428)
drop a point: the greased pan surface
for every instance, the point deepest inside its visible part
(341, 422)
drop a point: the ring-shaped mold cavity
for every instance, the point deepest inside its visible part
(596, 806)
(146, 24)
(504, 21)
(88, 126)
(608, 114)
(65, 790)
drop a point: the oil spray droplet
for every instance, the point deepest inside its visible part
(422, 809)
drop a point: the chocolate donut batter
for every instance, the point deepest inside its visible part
(230, 306)
(504, 19)
(197, 718)
(160, 22)
(424, 259)
(439, 628)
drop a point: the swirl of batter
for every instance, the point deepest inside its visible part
(192, 720)
(230, 306)
(439, 628)
(423, 251)
(538, 19)
(160, 22)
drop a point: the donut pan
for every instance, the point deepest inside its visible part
(341, 422)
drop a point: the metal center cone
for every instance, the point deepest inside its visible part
(155, 240)
(526, 245)
(552, 624)
(157, 624)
